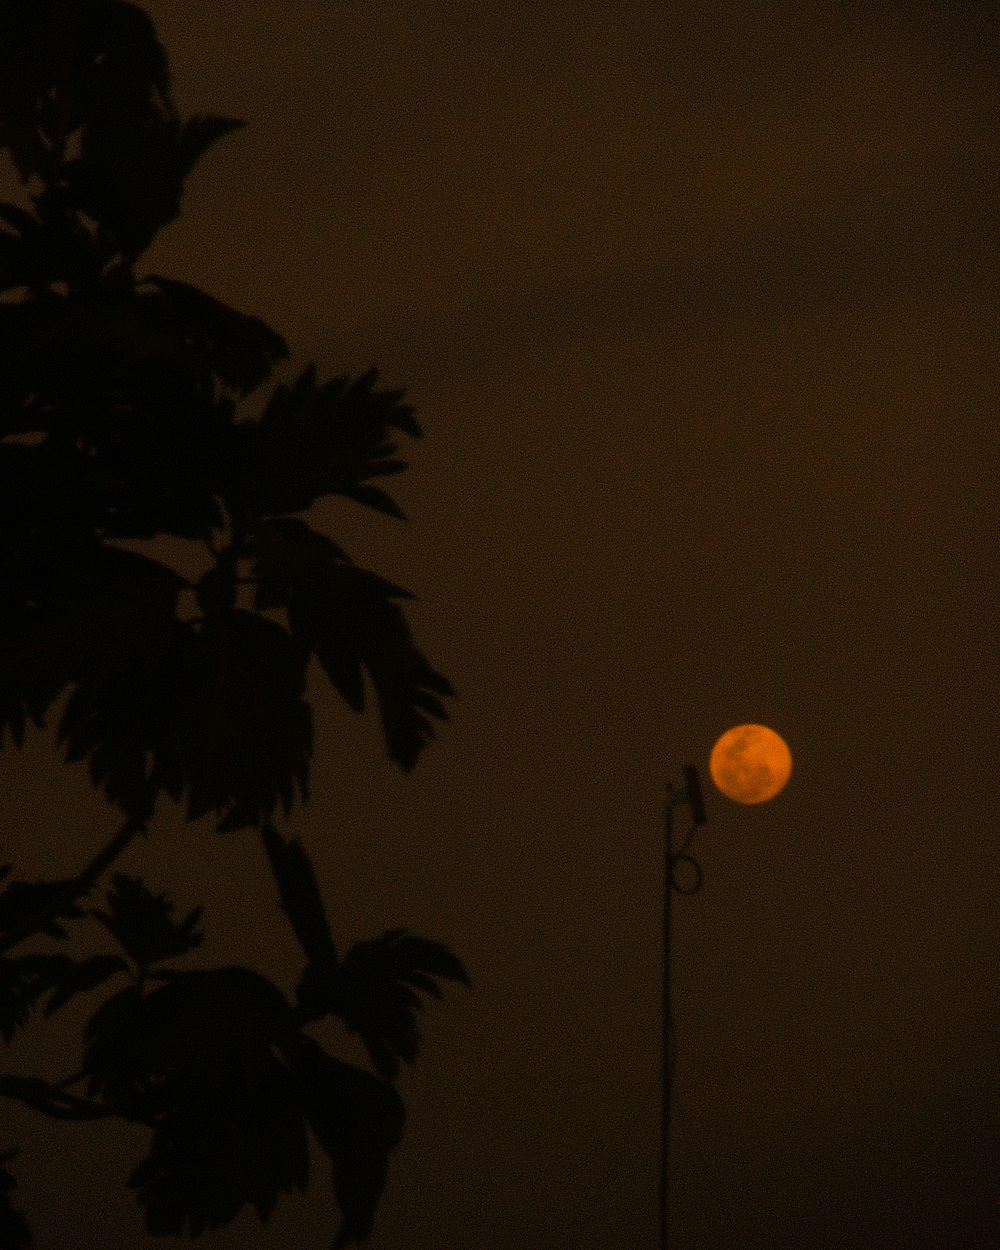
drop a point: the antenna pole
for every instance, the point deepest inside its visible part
(690, 796)
(667, 1064)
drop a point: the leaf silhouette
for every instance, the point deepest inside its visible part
(345, 615)
(120, 63)
(195, 1059)
(109, 483)
(118, 422)
(141, 923)
(136, 442)
(375, 993)
(242, 350)
(24, 900)
(217, 713)
(129, 177)
(358, 1120)
(62, 66)
(184, 1035)
(330, 438)
(76, 612)
(50, 245)
(242, 1143)
(14, 1231)
(119, 1053)
(247, 732)
(300, 897)
(69, 977)
(20, 989)
(25, 979)
(123, 708)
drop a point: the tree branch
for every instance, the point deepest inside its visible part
(51, 1101)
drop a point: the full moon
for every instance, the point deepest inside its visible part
(750, 763)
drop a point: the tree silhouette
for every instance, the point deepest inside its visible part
(119, 424)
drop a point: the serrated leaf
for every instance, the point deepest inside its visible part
(374, 993)
(141, 922)
(346, 616)
(125, 708)
(119, 1047)
(414, 952)
(291, 561)
(316, 440)
(215, 714)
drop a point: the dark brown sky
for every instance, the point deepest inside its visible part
(698, 304)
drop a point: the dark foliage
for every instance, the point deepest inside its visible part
(215, 1062)
(140, 922)
(23, 981)
(22, 899)
(374, 990)
(375, 993)
(14, 1232)
(119, 424)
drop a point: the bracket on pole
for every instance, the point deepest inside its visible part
(689, 794)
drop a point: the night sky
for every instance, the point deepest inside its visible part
(698, 305)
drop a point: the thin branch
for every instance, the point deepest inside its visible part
(52, 1100)
(68, 1106)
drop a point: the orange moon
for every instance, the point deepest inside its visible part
(750, 763)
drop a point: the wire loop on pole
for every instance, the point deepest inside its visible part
(692, 887)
